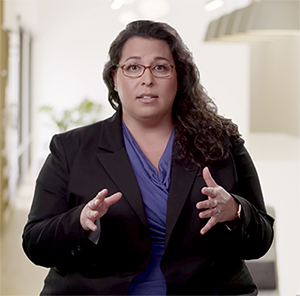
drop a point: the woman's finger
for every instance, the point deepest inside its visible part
(210, 213)
(211, 222)
(210, 182)
(206, 204)
(90, 225)
(112, 199)
(209, 191)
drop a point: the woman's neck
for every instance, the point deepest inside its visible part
(149, 130)
(151, 138)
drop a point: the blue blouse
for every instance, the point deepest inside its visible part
(154, 188)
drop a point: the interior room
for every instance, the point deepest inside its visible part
(52, 56)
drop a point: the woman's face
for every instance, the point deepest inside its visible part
(146, 98)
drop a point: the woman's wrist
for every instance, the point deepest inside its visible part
(233, 224)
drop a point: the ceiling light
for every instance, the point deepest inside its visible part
(265, 18)
(212, 5)
(116, 4)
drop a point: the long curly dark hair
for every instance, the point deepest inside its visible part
(201, 133)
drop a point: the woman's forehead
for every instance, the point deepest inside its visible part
(139, 48)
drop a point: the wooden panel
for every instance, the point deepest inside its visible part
(3, 116)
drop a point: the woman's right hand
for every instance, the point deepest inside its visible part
(96, 208)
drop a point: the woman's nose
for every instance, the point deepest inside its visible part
(147, 78)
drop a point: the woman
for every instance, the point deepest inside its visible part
(179, 205)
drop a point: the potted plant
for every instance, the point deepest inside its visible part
(85, 113)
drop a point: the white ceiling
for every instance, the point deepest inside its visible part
(61, 17)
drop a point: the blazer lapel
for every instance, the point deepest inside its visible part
(182, 180)
(113, 156)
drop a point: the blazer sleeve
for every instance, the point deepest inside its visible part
(53, 235)
(256, 231)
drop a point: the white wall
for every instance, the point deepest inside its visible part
(277, 159)
(275, 142)
(275, 92)
(20, 11)
(225, 73)
(70, 47)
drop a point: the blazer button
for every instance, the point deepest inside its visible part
(73, 252)
(78, 248)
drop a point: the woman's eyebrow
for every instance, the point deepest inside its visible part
(161, 58)
(133, 58)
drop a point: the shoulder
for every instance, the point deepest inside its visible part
(89, 132)
(80, 133)
(84, 138)
(233, 143)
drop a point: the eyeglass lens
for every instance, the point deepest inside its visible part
(136, 70)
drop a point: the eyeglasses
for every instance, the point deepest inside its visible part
(137, 70)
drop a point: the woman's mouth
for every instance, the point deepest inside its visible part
(147, 98)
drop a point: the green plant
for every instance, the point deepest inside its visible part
(85, 113)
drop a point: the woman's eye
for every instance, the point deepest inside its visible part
(160, 67)
(132, 68)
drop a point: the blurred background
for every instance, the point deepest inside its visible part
(52, 55)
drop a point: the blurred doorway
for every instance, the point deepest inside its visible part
(16, 111)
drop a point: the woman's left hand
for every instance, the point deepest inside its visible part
(220, 205)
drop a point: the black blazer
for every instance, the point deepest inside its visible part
(88, 159)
